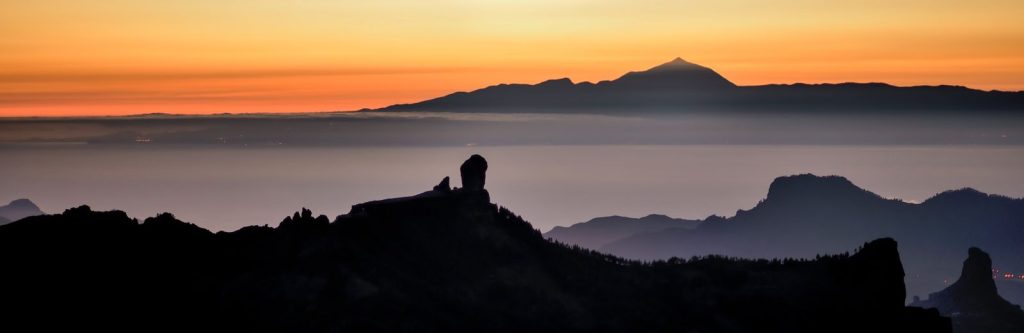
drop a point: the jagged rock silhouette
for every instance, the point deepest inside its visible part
(440, 261)
(973, 302)
(444, 185)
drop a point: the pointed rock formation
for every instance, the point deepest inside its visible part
(973, 301)
(445, 185)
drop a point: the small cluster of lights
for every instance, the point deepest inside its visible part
(996, 274)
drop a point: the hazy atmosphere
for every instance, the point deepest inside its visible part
(224, 173)
(731, 166)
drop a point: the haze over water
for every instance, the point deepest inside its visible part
(225, 188)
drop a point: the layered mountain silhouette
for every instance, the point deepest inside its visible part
(18, 209)
(680, 86)
(804, 215)
(443, 260)
(972, 301)
(599, 231)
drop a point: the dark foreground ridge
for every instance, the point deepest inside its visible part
(972, 301)
(444, 260)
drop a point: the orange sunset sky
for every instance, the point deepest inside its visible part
(114, 57)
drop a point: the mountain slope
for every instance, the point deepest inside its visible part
(600, 231)
(972, 301)
(680, 86)
(444, 260)
(805, 214)
(18, 209)
(677, 74)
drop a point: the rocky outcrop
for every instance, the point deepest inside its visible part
(444, 185)
(434, 262)
(805, 214)
(474, 173)
(973, 302)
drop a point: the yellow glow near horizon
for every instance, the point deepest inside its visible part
(89, 57)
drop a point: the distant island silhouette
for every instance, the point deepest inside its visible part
(445, 260)
(679, 86)
(807, 214)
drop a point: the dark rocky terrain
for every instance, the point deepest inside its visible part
(804, 215)
(973, 302)
(444, 260)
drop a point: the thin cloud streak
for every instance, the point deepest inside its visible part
(36, 77)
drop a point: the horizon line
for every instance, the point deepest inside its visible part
(573, 82)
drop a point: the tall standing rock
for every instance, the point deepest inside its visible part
(974, 303)
(474, 173)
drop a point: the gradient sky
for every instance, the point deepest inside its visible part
(88, 57)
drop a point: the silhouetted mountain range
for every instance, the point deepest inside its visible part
(680, 86)
(600, 231)
(973, 303)
(18, 209)
(444, 260)
(806, 214)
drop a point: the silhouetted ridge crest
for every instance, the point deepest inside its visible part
(963, 196)
(562, 82)
(304, 221)
(23, 203)
(675, 74)
(600, 231)
(683, 87)
(18, 209)
(806, 188)
(440, 261)
(166, 222)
